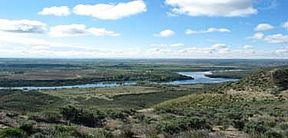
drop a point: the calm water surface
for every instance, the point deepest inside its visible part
(199, 77)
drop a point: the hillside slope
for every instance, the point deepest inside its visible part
(252, 107)
(271, 81)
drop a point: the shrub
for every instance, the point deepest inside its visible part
(194, 134)
(284, 126)
(255, 127)
(235, 115)
(27, 126)
(12, 132)
(67, 131)
(117, 114)
(127, 132)
(273, 134)
(180, 124)
(101, 133)
(79, 116)
(239, 124)
(47, 117)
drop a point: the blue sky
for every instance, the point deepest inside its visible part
(144, 29)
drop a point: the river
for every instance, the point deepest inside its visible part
(199, 77)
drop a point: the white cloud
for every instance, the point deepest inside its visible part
(78, 30)
(282, 51)
(228, 8)
(218, 49)
(56, 11)
(167, 50)
(248, 47)
(285, 25)
(9, 38)
(177, 45)
(22, 26)
(219, 46)
(274, 39)
(111, 11)
(264, 27)
(102, 32)
(68, 30)
(166, 33)
(209, 30)
(25, 45)
(190, 31)
(220, 30)
(258, 36)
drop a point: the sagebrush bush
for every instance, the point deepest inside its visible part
(82, 117)
(180, 124)
(12, 133)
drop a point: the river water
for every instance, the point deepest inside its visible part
(199, 77)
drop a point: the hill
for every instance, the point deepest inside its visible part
(271, 81)
(255, 106)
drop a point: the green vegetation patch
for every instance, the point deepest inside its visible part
(28, 101)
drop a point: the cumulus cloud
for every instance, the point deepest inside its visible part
(209, 30)
(228, 8)
(274, 39)
(258, 36)
(190, 31)
(78, 30)
(22, 26)
(264, 27)
(102, 32)
(111, 11)
(68, 30)
(248, 47)
(219, 46)
(165, 33)
(220, 30)
(277, 38)
(56, 11)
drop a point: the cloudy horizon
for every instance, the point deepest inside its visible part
(144, 29)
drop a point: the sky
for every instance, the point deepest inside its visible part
(144, 29)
